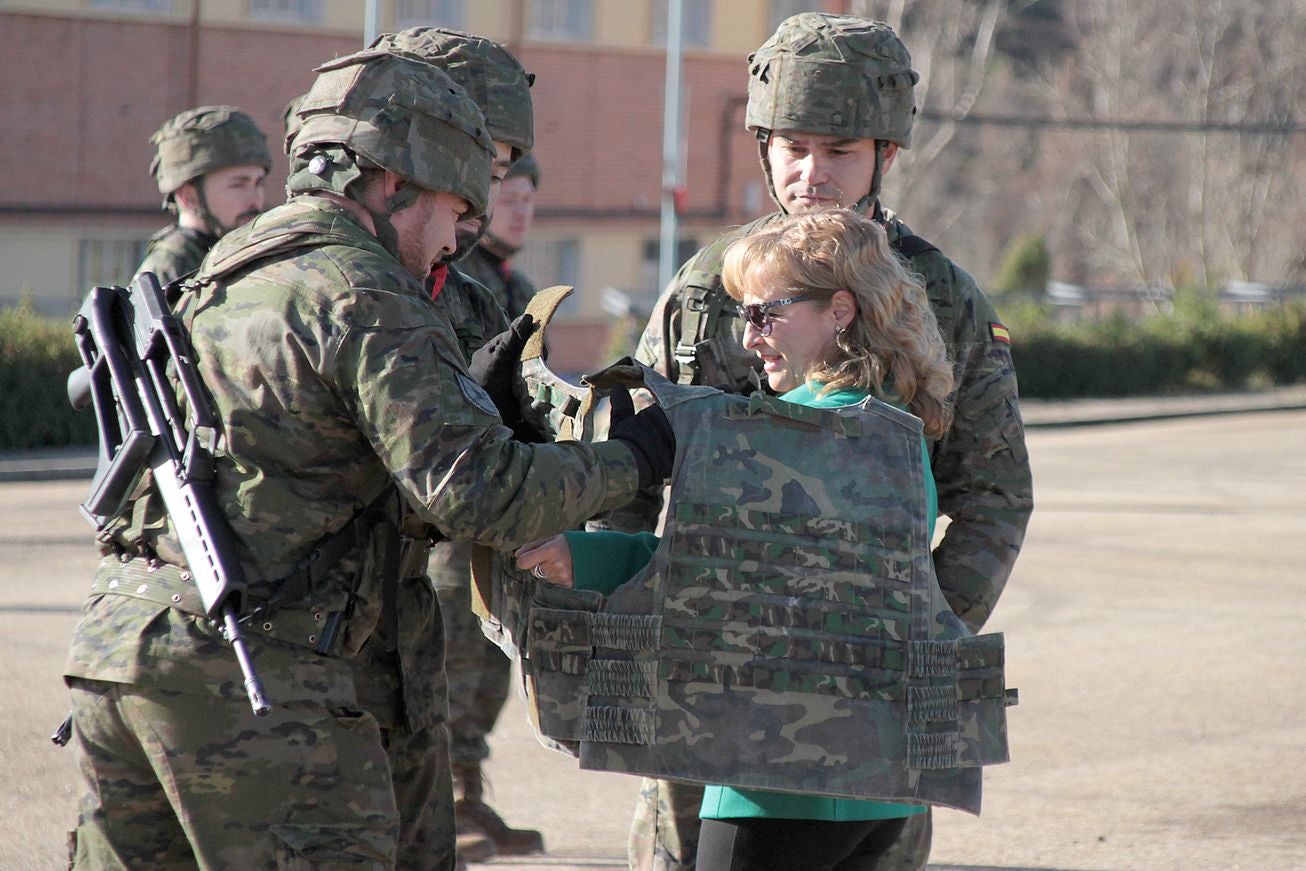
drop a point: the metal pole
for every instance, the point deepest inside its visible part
(371, 22)
(670, 147)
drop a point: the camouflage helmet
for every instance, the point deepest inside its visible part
(489, 74)
(390, 110)
(291, 122)
(834, 75)
(202, 140)
(525, 167)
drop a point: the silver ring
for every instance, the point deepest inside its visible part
(538, 571)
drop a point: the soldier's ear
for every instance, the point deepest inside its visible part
(886, 159)
(187, 196)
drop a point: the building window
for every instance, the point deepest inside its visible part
(102, 262)
(419, 13)
(132, 5)
(568, 20)
(294, 11)
(779, 10)
(650, 263)
(695, 23)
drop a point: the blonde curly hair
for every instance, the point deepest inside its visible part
(892, 348)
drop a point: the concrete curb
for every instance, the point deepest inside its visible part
(1042, 413)
(63, 464)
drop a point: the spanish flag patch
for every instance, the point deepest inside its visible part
(999, 333)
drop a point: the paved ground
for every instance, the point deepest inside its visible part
(1153, 628)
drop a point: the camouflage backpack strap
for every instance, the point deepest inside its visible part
(909, 247)
(703, 303)
(708, 349)
(301, 223)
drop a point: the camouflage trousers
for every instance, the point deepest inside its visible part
(423, 789)
(479, 674)
(664, 832)
(173, 780)
(401, 682)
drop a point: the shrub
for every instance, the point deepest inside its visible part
(1196, 347)
(36, 355)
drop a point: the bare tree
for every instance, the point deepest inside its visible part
(1208, 204)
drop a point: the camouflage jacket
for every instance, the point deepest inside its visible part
(399, 673)
(981, 466)
(342, 394)
(472, 307)
(512, 289)
(175, 251)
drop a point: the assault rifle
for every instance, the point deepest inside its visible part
(128, 340)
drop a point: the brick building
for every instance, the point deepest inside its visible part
(87, 81)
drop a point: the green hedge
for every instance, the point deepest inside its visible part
(36, 355)
(1195, 348)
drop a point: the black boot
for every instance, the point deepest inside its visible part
(474, 816)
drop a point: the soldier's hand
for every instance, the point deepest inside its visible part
(497, 367)
(648, 434)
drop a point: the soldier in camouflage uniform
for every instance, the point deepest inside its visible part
(349, 430)
(478, 674)
(210, 166)
(830, 98)
(513, 215)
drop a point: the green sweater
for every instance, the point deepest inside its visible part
(603, 561)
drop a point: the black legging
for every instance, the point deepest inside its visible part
(747, 844)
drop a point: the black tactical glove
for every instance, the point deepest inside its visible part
(496, 366)
(648, 434)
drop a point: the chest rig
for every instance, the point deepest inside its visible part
(788, 634)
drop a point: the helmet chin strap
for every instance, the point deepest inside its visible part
(872, 198)
(211, 222)
(386, 233)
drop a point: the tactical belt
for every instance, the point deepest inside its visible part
(171, 586)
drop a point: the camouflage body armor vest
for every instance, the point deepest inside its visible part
(788, 634)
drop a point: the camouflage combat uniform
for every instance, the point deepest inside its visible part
(175, 251)
(479, 673)
(510, 287)
(348, 425)
(407, 673)
(851, 77)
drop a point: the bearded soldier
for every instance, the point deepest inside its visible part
(407, 699)
(830, 99)
(348, 430)
(210, 166)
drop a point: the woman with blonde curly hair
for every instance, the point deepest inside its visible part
(835, 317)
(849, 315)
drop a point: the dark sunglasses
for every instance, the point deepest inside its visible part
(759, 313)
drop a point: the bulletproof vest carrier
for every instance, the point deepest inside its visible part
(789, 633)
